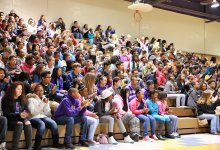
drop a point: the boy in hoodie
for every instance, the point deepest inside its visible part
(70, 112)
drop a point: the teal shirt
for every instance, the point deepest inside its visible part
(152, 106)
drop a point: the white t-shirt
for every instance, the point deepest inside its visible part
(107, 106)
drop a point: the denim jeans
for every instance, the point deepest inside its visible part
(91, 41)
(41, 123)
(148, 120)
(214, 121)
(69, 122)
(174, 123)
(78, 35)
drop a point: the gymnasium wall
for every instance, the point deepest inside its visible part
(188, 33)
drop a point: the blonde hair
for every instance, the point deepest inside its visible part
(89, 81)
(72, 90)
(206, 98)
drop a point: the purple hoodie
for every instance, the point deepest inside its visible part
(69, 107)
(100, 89)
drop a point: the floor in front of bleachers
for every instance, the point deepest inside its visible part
(186, 142)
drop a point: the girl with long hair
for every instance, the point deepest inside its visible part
(205, 110)
(89, 81)
(57, 79)
(120, 101)
(14, 107)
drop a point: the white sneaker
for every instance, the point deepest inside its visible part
(173, 134)
(148, 139)
(176, 134)
(2, 146)
(111, 140)
(127, 139)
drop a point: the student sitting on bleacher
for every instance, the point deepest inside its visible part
(70, 112)
(205, 110)
(15, 109)
(172, 91)
(193, 95)
(149, 87)
(49, 88)
(92, 118)
(120, 101)
(75, 73)
(109, 114)
(171, 129)
(152, 104)
(57, 80)
(132, 87)
(139, 108)
(40, 112)
(102, 84)
(3, 129)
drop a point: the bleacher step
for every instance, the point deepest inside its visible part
(183, 111)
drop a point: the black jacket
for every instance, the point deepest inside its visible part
(12, 110)
(205, 109)
(100, 108)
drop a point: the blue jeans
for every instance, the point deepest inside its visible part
(90, 41)
(69, 122)
(41, 123)
(147, 120)
(78, 35)
(174, 122)
(214, 121)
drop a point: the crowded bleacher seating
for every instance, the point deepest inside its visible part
(52, 77)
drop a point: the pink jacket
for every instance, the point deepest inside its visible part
(134, 107)
(29, 69)
(162, 105)
(118, 103)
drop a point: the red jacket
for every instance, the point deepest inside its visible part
(161, 80)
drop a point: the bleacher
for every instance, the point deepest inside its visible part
(187, 124)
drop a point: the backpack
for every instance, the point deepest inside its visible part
(102, 138)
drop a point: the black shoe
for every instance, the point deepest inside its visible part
(169, 136)
(135, 137)
(57, 145)
(69, 145)
(83, 143)
(160, 137)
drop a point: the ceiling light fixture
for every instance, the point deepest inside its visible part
(215, 4)
(142, 7)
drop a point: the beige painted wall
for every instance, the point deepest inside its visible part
(188, 33)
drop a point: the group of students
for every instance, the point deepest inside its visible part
(48, 78)
(23, 111)
(205, 99)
